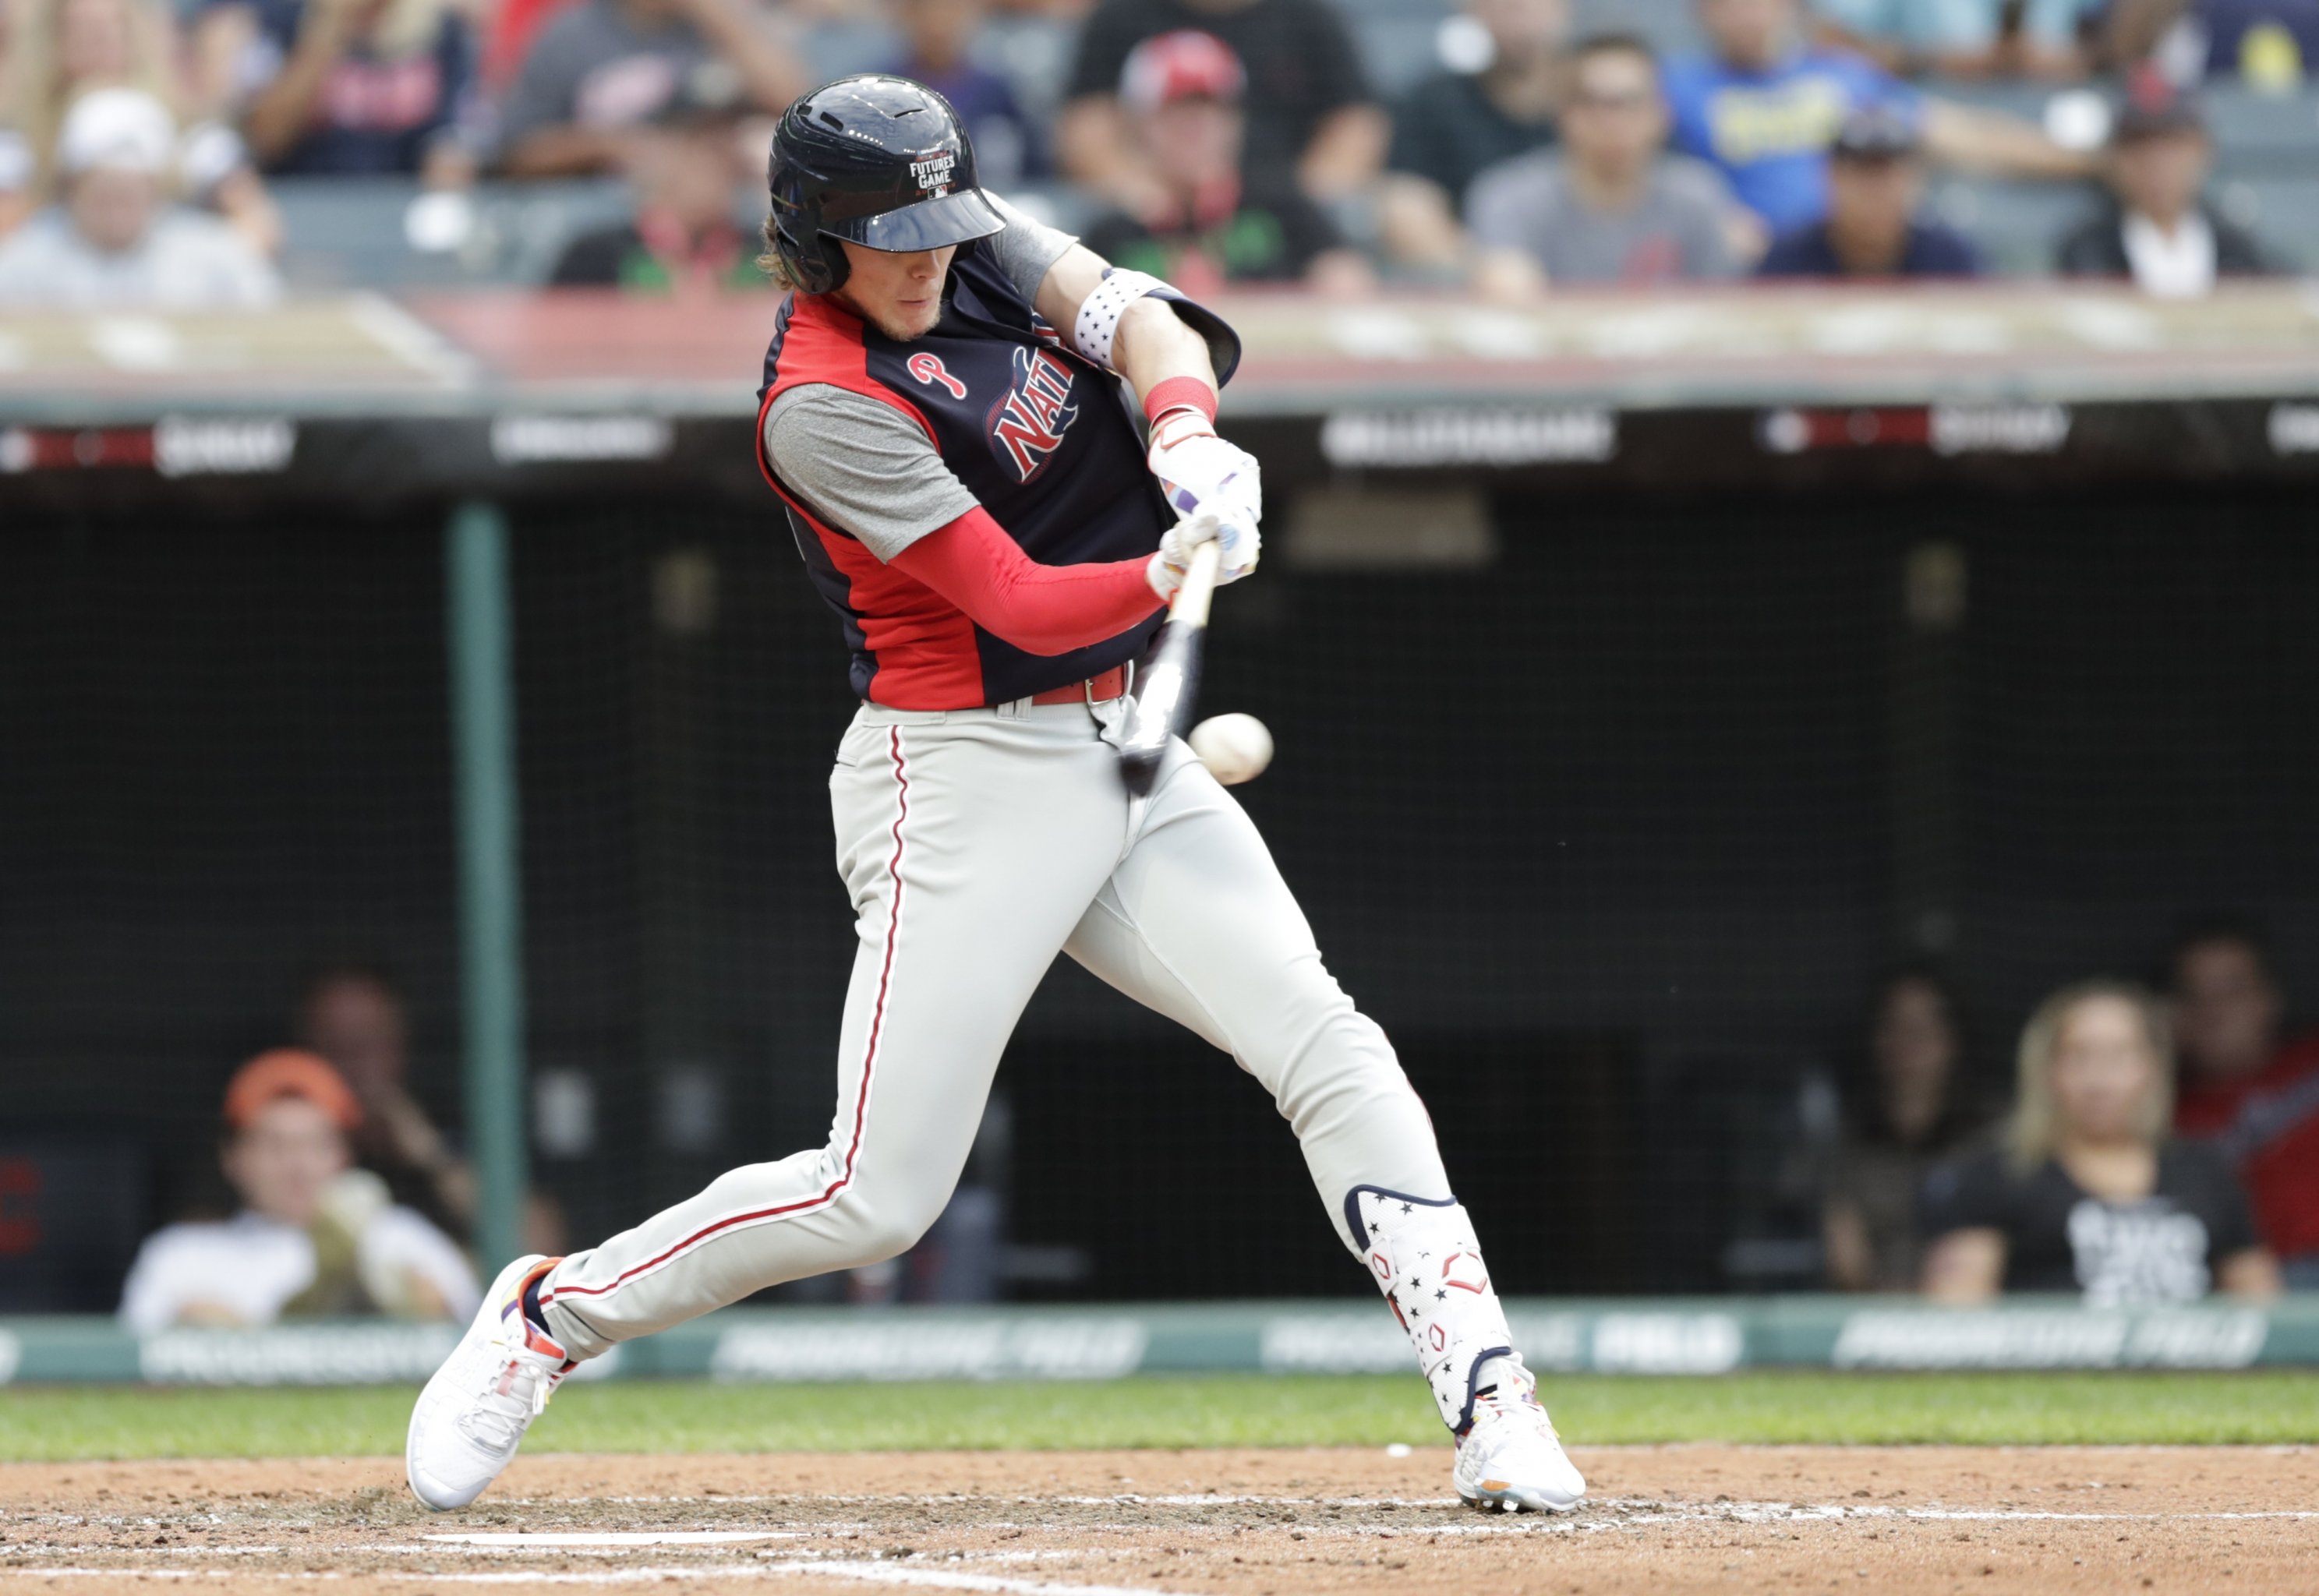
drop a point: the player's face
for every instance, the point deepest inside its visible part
(284, 1160)
(898, 294)
(2104, 1070)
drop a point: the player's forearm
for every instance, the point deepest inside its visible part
(1153, 345)
(1041, 609)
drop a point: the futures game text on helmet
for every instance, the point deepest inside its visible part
(879, 161)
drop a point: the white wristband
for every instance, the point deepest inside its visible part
(1098, 318)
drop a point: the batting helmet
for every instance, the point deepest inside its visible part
(882, 161)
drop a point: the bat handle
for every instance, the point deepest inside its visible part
(1192, 599)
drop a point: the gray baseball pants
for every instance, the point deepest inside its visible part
(976, 844)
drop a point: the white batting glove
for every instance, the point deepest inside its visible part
(1200, 472)
(1240, 543)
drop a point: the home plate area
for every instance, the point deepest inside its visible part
(1280, 1523)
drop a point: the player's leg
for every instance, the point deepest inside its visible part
(971, 846)
(1197, 924)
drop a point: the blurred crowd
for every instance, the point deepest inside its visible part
(2160, 1144)
(142, 142)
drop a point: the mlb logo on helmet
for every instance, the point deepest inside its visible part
(934, 173)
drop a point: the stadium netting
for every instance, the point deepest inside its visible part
(1613, 830)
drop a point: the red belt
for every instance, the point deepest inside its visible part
(1111, 684)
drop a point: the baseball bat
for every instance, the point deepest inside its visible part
(1167, 688)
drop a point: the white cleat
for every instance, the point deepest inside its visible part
(1510, 1459)
(473, 1414)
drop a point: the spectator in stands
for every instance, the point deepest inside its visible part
(113, 242)
(1182, 96)
(350, 88)
(2158, 227)
(1962, 38)
(69, 47)
(2089, 1193)
(1466, 117)
(1764, 106)
(684, 240)
(1312, 122)
(352, 1015)
(2270, 44)
(2256, 1096)
(1875, 185)
(937, 36)
(1910, 1113)
(314, 1237)
(1609, 206)
(597, 74)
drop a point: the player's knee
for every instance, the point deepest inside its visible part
(880, 1229)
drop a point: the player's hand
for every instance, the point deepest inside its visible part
(1201, 472)
(1239, 547)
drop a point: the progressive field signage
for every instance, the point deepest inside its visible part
(1637, 1336)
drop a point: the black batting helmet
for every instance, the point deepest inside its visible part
(882, 161)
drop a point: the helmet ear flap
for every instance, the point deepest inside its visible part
(814, 268)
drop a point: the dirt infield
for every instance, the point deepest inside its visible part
(2220, 1520)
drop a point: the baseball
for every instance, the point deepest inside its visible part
(1234, 747)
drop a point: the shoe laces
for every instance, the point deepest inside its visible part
(515, 1393)
(1510, 1406)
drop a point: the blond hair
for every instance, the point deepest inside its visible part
(2034, 1132)
(770, 262)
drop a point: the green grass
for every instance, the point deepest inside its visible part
(62, 1423)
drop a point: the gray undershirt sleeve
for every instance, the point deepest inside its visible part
(863, 466)
(1025, 250)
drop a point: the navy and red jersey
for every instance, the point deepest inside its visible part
(1042, 438)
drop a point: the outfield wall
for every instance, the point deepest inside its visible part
(1603, 1336)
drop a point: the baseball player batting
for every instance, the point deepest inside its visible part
(947, 422)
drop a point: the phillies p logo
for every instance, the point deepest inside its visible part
(929, 370)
